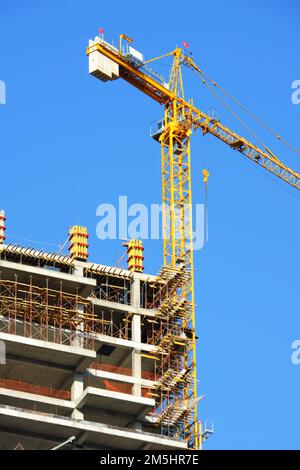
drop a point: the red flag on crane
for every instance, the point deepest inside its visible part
(186, 44)
(101, 30)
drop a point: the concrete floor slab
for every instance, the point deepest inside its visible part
(42, 426)
(122, 403)
(50, 354)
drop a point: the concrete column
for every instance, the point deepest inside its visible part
(135, 295)
(77, 270)
(76, 391)
(78, 340)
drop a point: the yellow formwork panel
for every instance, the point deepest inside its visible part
(135, 258)
(78, 247)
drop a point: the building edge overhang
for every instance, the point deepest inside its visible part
(27, 422)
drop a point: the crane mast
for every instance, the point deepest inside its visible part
(178, 231)
(181, 118)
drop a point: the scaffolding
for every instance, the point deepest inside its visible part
(56, 316)
(46, 314)
(173, 336)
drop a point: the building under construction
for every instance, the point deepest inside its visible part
(105, 357)
(92, 351)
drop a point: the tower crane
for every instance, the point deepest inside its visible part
(108, 61)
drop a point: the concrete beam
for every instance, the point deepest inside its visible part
(118, 272)
(24, 399)
(123, 343)
(50, 353)
(48, 273)
(124, 308)
(120, 377)
(29, 438)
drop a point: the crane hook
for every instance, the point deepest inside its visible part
(205, 174)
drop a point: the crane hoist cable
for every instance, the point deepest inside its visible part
(242, 106)
(234, 114)
(248, 128)
(274, 180)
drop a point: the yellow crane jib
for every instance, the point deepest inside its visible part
(195, 118)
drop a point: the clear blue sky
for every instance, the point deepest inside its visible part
(69, 142)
